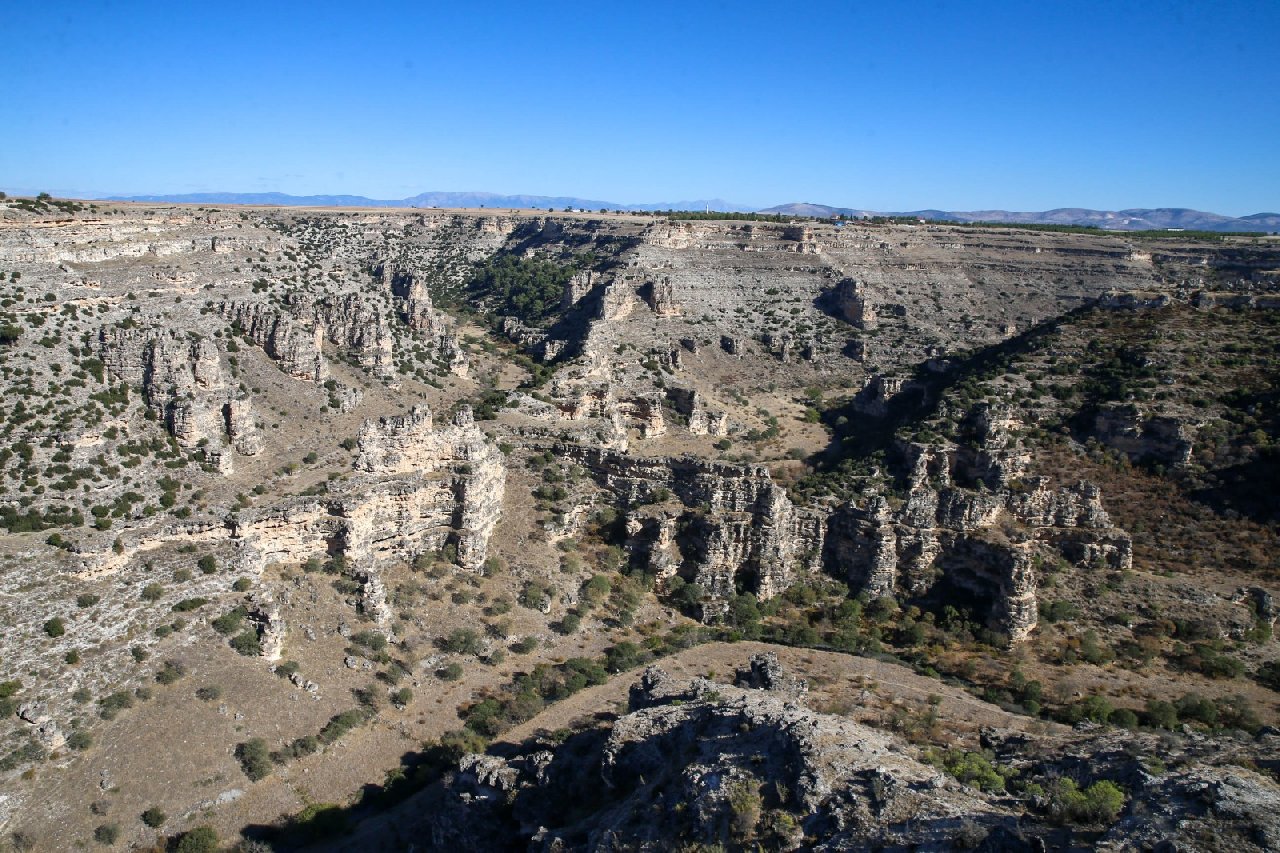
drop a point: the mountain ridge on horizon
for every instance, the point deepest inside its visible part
(1128, 219)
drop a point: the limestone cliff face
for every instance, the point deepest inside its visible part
(852, 304)
(984, 539)
(294, 334)
(356, 324)
(438, 485)
(972, 523)
(1140, 436)
(293, 343)
(413, 304)
(182, 381)
(730, 526)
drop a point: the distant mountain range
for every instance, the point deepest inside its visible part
(436, 199)
(1137, 219)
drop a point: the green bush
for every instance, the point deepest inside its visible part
(87, 599)
(340, 724)
(247, 643)
(525, 645)
(55, 627)
(152, 592)
(115, 703)
(107, 834)
(1101, 802)
(255, 758)
(79, 740)
(371, 640)
(154, 818)
(463, 641)
(207, 564)
(1269, 675)
(202, 839)
(974, 769)
(170, 672)
(1124, 718)
(536, 595)
(231, 621)
(1160, 714)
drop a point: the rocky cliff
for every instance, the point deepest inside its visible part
(184, 384)
(696, 762)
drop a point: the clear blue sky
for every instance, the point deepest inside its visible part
(884, 105)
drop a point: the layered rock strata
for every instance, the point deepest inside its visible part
(182, 381)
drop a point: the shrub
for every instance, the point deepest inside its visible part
(536, 595)
(231, 621)
(208, 693)
(1269, 675)
(340, 724)
(595, 590)
(242, 585)
(202, 839)
(170, 672)
(569, 624)
(371, 640)
(114, 704)
(154, 818)
(972, 768)
(450, 672)
(152, 592)
(305, 745)
(107, 834)
(463, 641)
(247, 643)
(1124, 718)
(625, 656)
(186, 605)
(87, 599)
(55, 627)
(1193, 706)
(1058, 611)
(402, 697)
(207, 564)
(1101, 802)
(1160, 714)
(79, 740)
(525, 645)
(255, 758)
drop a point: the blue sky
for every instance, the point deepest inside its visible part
(888, 106)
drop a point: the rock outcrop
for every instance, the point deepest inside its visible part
(694, 763)
(733, 526)
(1143, 437)
(182, 381)
(975, 522)
(292, 342)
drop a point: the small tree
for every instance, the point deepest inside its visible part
(202, 839)
(255, 758)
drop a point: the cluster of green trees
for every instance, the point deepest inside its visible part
(527, 288)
